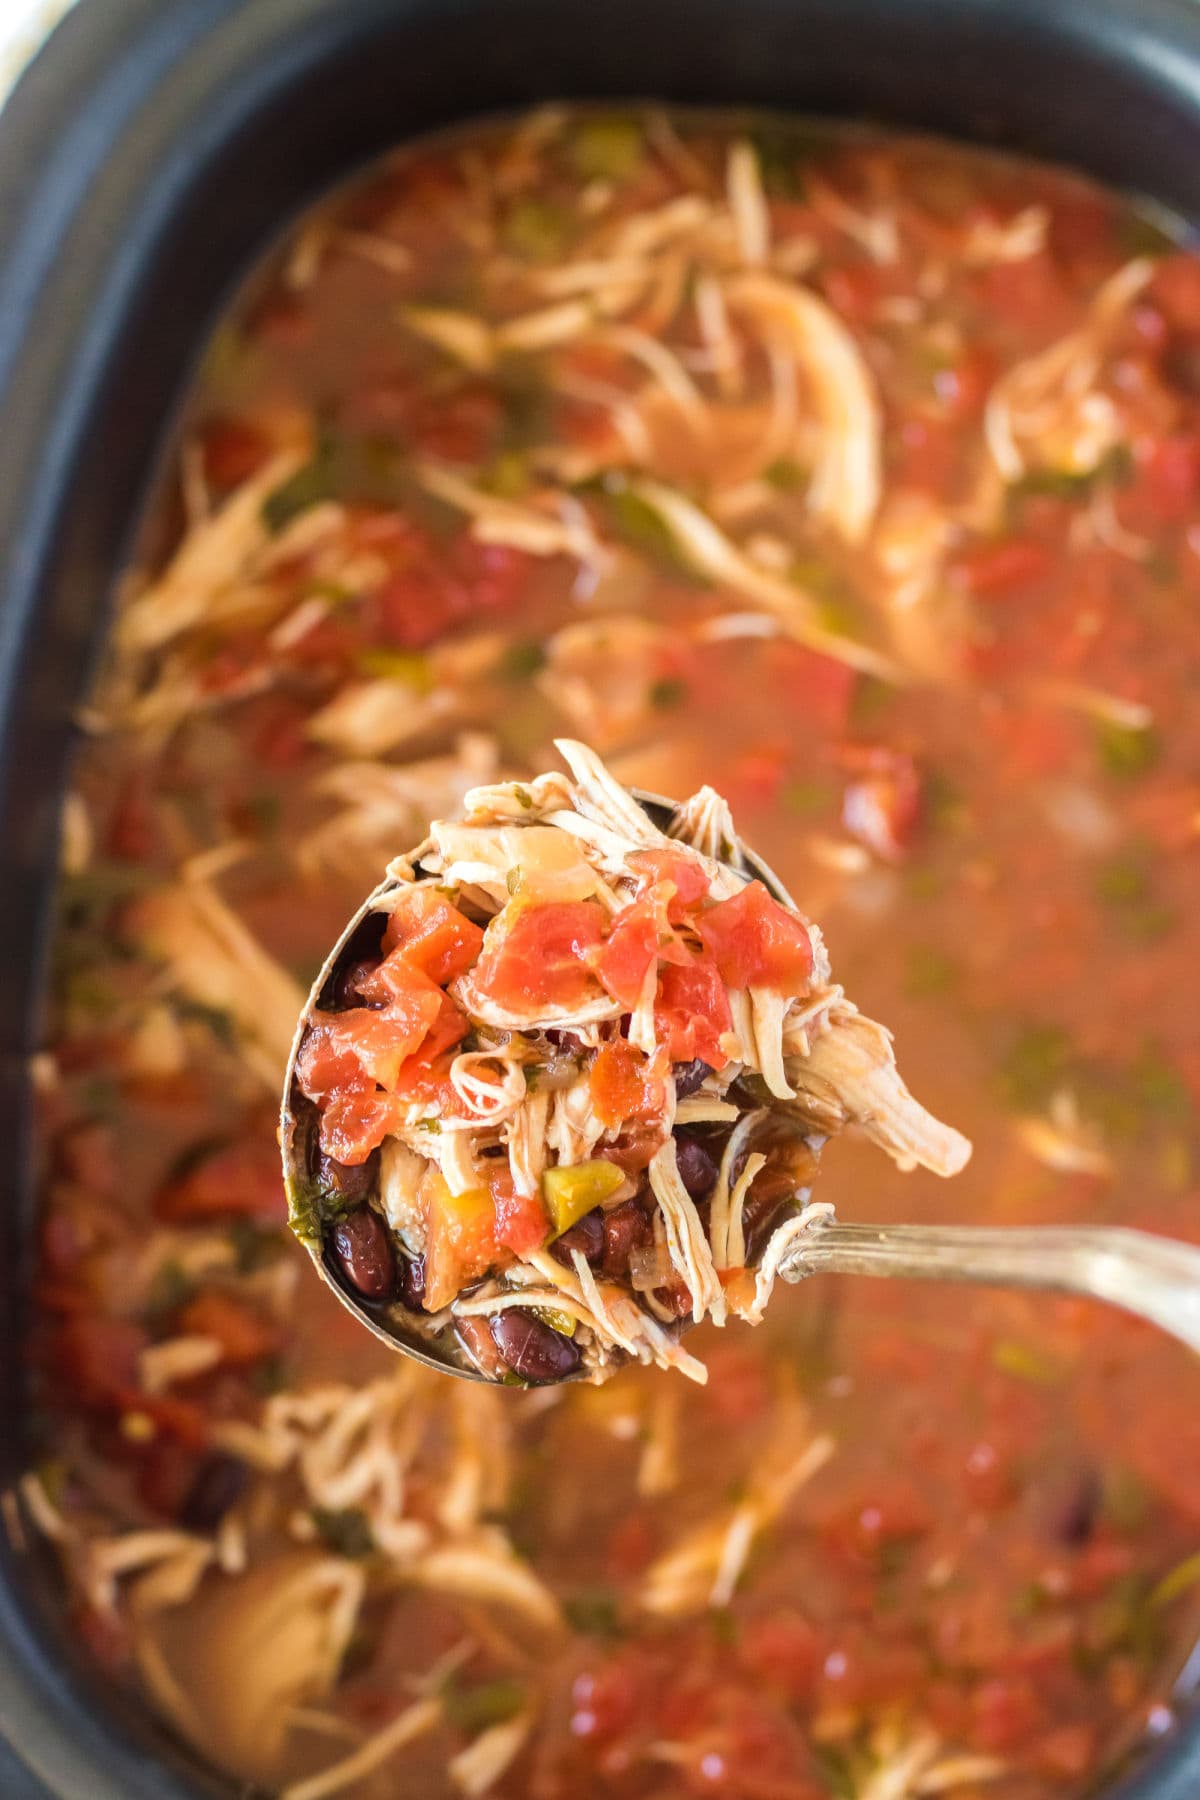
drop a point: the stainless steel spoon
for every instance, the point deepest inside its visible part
(1154, 1278)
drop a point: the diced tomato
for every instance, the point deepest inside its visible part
(108, 1636)
(623, 1083)
(630, 950)
(232, 450)
(244, 1337)
(280, 740)
(755, 942)
(1004, 1714)
(991, 570)
(692, 1012)
(433, 935)
(1167, 477)
(605, 1700)
(238, 1180)
(782, 1651)
(1176, 289)
(964, 387)
(356, 1121)
(640, 936)
(821, 687)
(686, 874)
(1066, 1752)
(887, 1511)
(488, 577)
(368, 1045)
(460, 1239)
(521, 1224)
(97, 1357)
(630, 1546)
(538, 957)
(882, 806)
(739, 1383)
(133, 833)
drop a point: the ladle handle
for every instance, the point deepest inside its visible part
(1153, 1277)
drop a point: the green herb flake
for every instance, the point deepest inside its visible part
(1160, 1088)
(270, 1376)
(725, 1628)
(473, 1709)
(1127, 751)
(433, 1125)
(1124, 1498)
(1025, 1363)
(214, 1019)
(595, 1613)
(299, 493)
(347, 1531)
(535, 230)
(1124, 886)
(1114, 467)
(1179, 1581)
(606, 149)
(640, 525)
(265, 810)
(507, 476)
(668, 692)
(407, 666)
(171, 1288)
(254, 1246)
(521, 659)
(786, 475)
(807, 797)
(1036, 1064)
(931, 972)
(523, 798)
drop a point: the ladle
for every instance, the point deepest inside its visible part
(1155, 1278)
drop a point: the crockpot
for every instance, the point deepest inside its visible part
(147, 156)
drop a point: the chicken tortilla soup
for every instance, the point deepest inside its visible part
(857, 477)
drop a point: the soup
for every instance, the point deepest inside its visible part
(855, 476)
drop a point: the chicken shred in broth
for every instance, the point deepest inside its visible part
(858, 477)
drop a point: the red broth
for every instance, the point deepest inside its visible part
(402, 546)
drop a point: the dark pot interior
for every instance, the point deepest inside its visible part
(148, 155)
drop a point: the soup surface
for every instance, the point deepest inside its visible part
(859, 477)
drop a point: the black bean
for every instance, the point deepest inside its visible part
(348, 1183)
(1181, 366)
(533, 1350)
(1074, 1518)
(219, 1484)
(344, 988)
(689, 1076)
(363, 1248)
(626, 1228)
(697, 1169)
(412, 1281)
(586, 1236)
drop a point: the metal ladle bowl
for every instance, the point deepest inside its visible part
(1155, 1278)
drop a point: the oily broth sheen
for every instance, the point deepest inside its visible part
(1013, 1478)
